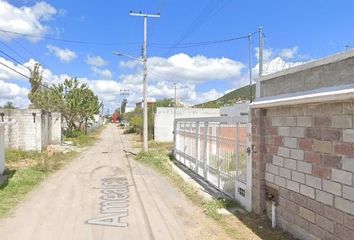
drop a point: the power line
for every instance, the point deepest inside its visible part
(64, 40)
(197, 44)
(14, 70)
(18, 62)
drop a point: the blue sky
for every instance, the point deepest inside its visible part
(295, 31)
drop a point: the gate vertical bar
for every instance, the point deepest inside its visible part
(206, 150)
(197, 147)
(175, 139)
(237, 152)
(217, 136)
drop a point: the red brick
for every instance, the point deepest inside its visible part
(331, 134)
(273, 150)
(312, 157)
(272, 130)
(321, 121)
(305, 144)
(277, 140)
(331, 161)
(346, 149)
(315, 133)
(321, 171)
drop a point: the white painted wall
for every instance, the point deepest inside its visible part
(164, 117)
(239, 109)
(56, 128)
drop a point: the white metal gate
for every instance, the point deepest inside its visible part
(217, 149)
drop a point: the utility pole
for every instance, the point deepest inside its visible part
(260, 32)
(174, 111)
(250, 63)
(145, 115)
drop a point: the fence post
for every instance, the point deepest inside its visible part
(237, 150)
(175, 138)
(2, 149)
(206, 150)
(217, 139)
(197, 147)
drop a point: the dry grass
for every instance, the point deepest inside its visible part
(26, 169)
(237, 226)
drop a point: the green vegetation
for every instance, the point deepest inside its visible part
(14, 190)
(159, 159)
(74, 100)
(237, 226)
(230, 98)
(84, 140)
(8, 105)
(26, 169)
(135, 117)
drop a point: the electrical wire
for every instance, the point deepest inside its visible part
(64, 40)
(14, 70)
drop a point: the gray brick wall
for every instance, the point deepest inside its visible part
(311, 165)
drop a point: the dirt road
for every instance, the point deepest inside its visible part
(104, 194)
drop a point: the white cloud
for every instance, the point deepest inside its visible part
(96, 61)
(181, 67)
(103, 73)
(8, 74)
(190, 72)
(64, 55)
(10, 92)
(288, 53)
(26, 20)
(275, 60)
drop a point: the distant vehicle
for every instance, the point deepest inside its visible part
(115, 117)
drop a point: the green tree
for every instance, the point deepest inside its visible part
(9, 105)
(77, 103)
(36, 96)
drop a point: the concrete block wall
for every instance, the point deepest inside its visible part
(309, 162)
(333, 71)
(30, 129)
(56, 122)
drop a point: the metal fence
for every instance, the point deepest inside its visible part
(216, 149)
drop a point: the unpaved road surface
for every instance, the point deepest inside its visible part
(104, 194)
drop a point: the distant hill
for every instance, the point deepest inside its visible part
(229, 98)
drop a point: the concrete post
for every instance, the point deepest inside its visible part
(258, 160)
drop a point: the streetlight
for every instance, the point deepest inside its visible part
(145, 115)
